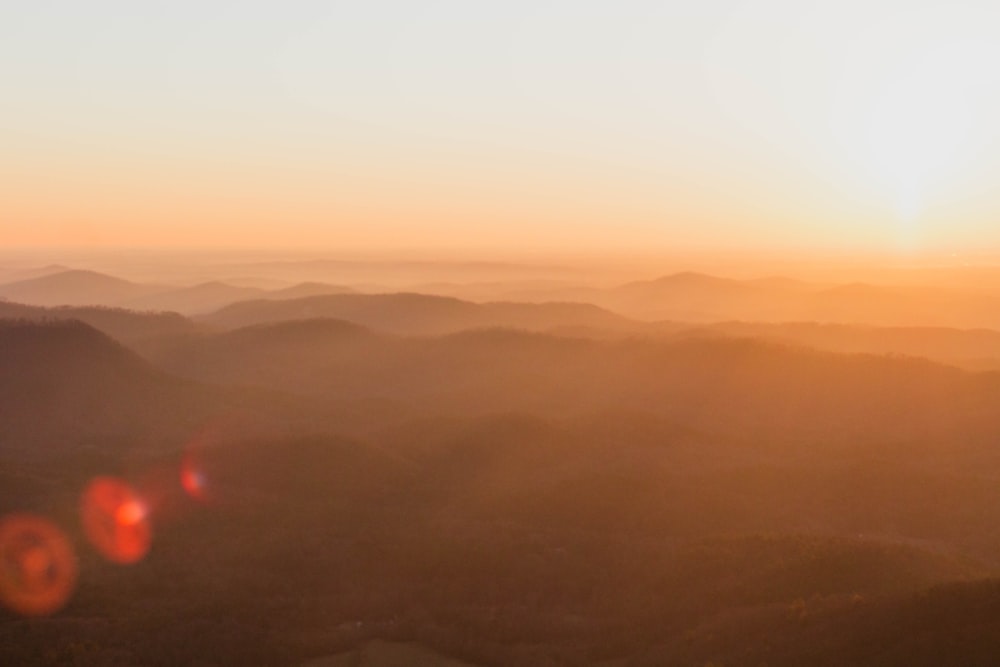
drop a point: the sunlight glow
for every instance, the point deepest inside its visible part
(921, 128)
(565, 126)
(915, 111)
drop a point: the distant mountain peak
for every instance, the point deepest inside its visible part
(690, 279)
(684, 280)
(693, 275)
(308, 288)
(78, 275)
(75, 287)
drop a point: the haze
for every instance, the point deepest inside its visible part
(518, 125)
(467, 334)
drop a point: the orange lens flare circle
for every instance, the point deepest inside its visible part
(193, 478)
(116, 520)
(38, 569)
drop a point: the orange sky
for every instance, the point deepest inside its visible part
(563, 126)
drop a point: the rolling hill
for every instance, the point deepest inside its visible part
(973, 349)
(58, 286)
(126, 326)
(207, 297)
(731, 385)
(415, 313)
(17, 275)
(542, 499)
(702, 298)
(72, 396)
(307, 289)
(75, 288)
(201, 298)
(66, 387)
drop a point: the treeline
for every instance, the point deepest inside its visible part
(509, 498)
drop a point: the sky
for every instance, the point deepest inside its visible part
(556, 125)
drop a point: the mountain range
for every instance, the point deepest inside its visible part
(507, 496)
(76, 287)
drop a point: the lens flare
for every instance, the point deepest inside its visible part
(193, 478)
(116, 520)
(38, 569)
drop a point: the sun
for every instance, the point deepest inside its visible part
(920, 128)
(921, 116)
(906, 108)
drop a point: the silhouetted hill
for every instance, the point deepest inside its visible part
(701, 297)
(731, 385)
(307, 289)
(415, 313)
(691, 281)
(690, 296)
(296, 333)
(506, 496)
(525, 291)
(127, 326)
(66, 346)
(18, 275)
(75, 288)
(696, 297)
(279, 351)
(381, 311)
(636, 475)
(69, 393)
(201, 298)
(65, 384)
(208, 297)
(537, 499)
(974, 349)
(57, 286)
(971, 349)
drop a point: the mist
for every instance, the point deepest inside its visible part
(495, 462)
(515, 334)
